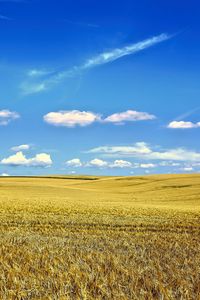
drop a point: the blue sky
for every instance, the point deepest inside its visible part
(99, 87)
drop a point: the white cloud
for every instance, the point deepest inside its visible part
(72, 172)
(97, 163)
(20, 148)
(195, 164)
(4, 175)
(147, 166)
(33, 88)
(41, 160)
(143, 165)
(116, 164)
(183, 125)
(187, 114)
(179, 154)
(103, 58)
(129, 115)
(37, 73)
(76, 162)
(138, 148)
(143, 151)
(169, 164)
(121, 164)
(15, 160)
(71, 118)
(187, 169)
(115, 54)
(19, 159)
(6, 116)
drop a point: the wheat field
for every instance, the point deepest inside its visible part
(84, 237)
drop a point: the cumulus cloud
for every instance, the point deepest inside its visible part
(183, 125)
(147, 166)
(6, 116)
(19, 159)
(20, 148)
(121, 164)
(96, 162)
(129, 115)
(76, 162)
(4, 175)
(99, 163)
(71, 118)
(144, 151)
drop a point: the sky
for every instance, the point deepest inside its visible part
(99, 87)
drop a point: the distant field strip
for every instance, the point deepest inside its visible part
(87, 237)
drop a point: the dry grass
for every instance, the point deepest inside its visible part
(107, 238)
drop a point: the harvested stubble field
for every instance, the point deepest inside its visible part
(100, 237)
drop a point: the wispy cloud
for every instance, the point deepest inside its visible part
(5, 18)
(115, 54)
(187, 114)
(179, 123)
(144, 151)
(78, 23)
(21, 148)
(38, 73)
(31, 87)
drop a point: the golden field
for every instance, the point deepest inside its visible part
(100, 237)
